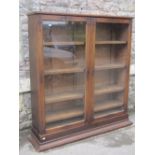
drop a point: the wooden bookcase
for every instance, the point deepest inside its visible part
(79, 76)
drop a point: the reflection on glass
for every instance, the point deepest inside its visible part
(64, 44)
(57, 31)
(64, 83)
(64, 63)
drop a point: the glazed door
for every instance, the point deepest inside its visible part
(64, 72)
(110, 68)
(85, 71)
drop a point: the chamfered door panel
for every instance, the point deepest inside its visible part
(110, 68)
(64, 72)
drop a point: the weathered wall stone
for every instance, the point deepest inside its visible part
(103, 7)
(131, 101)
(25, 111)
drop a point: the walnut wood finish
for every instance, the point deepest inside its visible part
(79, 66)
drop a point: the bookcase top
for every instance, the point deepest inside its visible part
(78, 15)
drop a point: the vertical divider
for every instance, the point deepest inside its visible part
(90, 61)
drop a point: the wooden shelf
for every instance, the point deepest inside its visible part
(63, 97)
(109, 66)
(108, 105)
(78, 112)
(72, 43)
(63, 115)
(60, 123)
(63, 71)
(63, 43)
(108, 112)
(79, 95)
(110, 42)
(108, 89)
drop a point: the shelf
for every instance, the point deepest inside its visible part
(78, 112)
(79, 95)
(109, 66)
(110, 42)
(72, 43)
(63, 115)
(63, 71)
(108, 89)
(65, 122)
(63, 43)
(78, 70)
(108, 105)
(63, 97)
(108, 112)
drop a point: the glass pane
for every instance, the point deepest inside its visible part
(64, 64)
(110, 68)
(64, 45)
(64, 112)
(110, 31)
(108, 104)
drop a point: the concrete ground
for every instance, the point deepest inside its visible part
(118, 142)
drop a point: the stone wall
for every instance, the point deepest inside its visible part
(102, 7)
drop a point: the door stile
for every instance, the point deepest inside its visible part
(129, 31)
(90, 55)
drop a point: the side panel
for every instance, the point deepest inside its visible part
(129, 32)
(36, 73)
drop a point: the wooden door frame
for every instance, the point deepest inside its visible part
(90, 54)
(124, 113)
(74, 125)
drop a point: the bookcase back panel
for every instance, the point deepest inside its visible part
(109, 77)
(110, 54)
(111, 31)
(58, 84)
